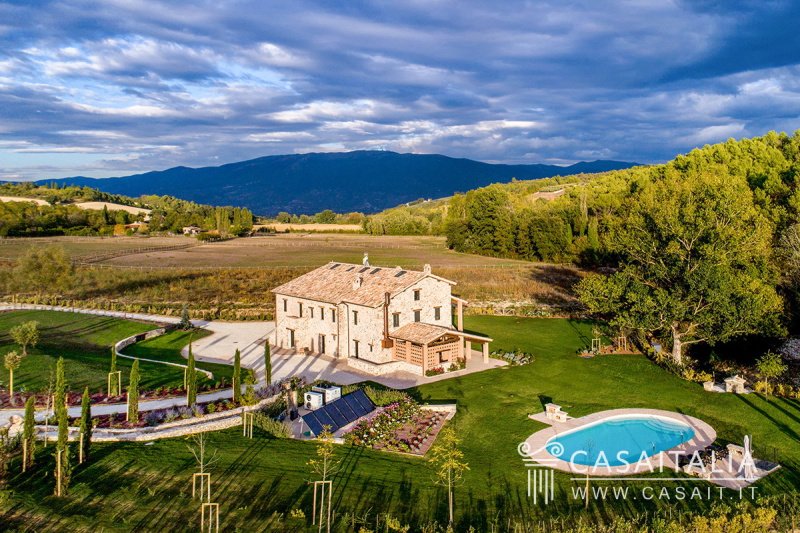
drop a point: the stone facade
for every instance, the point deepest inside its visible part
(354, 327)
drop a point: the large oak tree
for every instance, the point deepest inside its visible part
(695, 262)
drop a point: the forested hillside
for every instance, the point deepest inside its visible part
(62, 215)
(704, 248)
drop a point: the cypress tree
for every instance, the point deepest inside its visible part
(113, 389)
(86, 423)
(29, 430)
(133, 394)
(237, 377)
(60, 389)
(567, 233)
(267, 363)
(62, 444)
(191, 379)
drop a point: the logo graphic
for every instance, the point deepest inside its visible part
(541, 477)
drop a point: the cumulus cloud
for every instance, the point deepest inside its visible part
(123, 86)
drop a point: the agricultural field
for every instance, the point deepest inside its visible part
(232, 279)
(259, 482)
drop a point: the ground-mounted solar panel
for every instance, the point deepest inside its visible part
(333, 411)
(339, 413)
(357, 408)
(325, 419)
(313, 424)
(346, 410)
(361, 397)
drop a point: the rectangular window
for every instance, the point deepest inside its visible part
(311, 309)
(291, 338)
(355, 347)
(300, 309)
(437, 313)
(333, 315)
(395, 320)
(285, 305)
(416, 295)
(322, 313)
(417, 313)
(355, 318)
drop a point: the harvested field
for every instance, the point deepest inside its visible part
(231, 279)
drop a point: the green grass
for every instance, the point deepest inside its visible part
(84, 342)
(137, 487)
(168, 348)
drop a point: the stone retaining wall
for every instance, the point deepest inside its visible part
(178, 428)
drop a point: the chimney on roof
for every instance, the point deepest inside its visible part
(365, 261)
(426, 269)
(357, 282)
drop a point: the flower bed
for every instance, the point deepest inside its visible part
(401, 426)
(513, 358)
(74, 398)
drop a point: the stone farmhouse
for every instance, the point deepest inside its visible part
(378, 319)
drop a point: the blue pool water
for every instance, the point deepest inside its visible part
(621, 439)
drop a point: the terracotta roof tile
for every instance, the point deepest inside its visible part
(334, 283)
(420, 332)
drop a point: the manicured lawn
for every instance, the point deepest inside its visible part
(168, 348)
(84, 341)
(138, 487)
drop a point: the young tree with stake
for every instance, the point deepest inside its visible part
(11, 361)
(449, 464)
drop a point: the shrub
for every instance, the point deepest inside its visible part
(435, 371)
(270, 426)
(763, 387)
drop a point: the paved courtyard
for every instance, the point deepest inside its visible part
(249, 337)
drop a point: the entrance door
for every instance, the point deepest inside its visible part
(322, 344)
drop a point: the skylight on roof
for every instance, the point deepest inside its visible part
(363, 270)
(336, 266)
(375, 271)
(402, 272)
(349, 269)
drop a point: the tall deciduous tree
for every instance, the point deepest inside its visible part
(237, 377)
(25, 334)
(448, 463)
(44, 268)
(133, 394)
(695, 262)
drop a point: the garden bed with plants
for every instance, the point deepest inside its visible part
(101, 398)
(401, 426)
(458, 364)
(513, 358)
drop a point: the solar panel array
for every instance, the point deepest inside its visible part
(339, 413)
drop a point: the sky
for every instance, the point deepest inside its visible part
(124, 86)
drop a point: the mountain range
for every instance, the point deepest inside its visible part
(366, 181)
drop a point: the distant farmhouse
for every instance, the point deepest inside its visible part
(379, 319)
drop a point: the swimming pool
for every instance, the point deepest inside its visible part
(621, 440)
